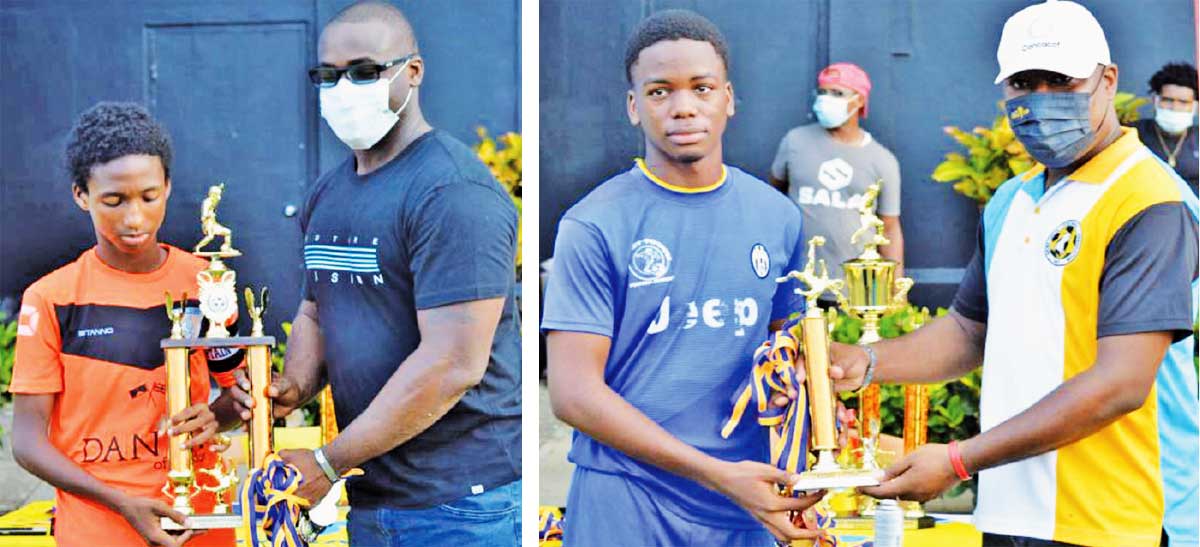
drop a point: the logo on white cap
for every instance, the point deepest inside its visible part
(1059, 36)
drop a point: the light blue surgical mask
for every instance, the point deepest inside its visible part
(831, 111)
(1055, 127)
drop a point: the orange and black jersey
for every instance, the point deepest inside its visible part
(89, 334)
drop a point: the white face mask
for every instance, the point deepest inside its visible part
(358, 113)
(831, 111)
(1172, 121)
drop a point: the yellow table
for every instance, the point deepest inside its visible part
(37, 514)
(944, 534)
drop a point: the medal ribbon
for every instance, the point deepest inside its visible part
(269, 498)
(774, 372)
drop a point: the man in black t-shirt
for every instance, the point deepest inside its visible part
(1171, 133)
(408, 307)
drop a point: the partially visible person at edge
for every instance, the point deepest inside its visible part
(1079, 302)
(663, 284)
(408, 307)
(1171, 134)
(88, 384)
(826, 167)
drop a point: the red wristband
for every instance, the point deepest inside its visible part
(956, 461)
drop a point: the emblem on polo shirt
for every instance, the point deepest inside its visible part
(649, 263)
(1063, 244)
(760, 260)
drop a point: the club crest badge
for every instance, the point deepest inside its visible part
(1062, 246)
(649, 263)
(760, 261)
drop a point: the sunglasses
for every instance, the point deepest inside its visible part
(360, 73)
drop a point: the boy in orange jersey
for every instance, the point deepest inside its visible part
(89, 383)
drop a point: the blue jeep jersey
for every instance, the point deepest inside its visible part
(683, 282)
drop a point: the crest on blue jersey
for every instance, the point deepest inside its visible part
(1064, 242)
(649, 263)
(760, 260)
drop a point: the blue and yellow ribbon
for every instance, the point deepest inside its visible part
(774, 373)
(269, 501)
(550, 523)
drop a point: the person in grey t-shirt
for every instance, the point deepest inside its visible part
(826, 167)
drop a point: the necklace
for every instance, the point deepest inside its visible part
(1178, 144)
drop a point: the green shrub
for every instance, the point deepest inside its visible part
(953, 405)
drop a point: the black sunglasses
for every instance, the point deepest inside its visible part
(360, 73)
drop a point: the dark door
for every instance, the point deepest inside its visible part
(245, 120)
(226, 79)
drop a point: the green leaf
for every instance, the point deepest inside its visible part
(951, 170)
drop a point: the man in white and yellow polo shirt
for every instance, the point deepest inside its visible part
(1080, 303)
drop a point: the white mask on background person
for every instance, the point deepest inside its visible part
(1173, 121)
(831, 111)
(359, 113)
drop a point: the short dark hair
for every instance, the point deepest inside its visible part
(674, 24)
(109, 131)
(1180, 74)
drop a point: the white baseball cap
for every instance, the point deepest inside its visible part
(1057, 35)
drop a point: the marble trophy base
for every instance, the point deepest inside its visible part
(204, 522)
(835, 479)
(868, 523)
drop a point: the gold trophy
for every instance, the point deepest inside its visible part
(872, 292)
(218, 304)
(814, 331)
(870, 279)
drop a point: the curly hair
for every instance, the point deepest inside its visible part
(1180, 74)
(109, 131)
(674, 24)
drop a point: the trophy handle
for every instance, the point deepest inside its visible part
(176, 315)
(263, 298)
(173, 314)
(903, 285)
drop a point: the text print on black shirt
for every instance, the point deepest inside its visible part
(334, 260)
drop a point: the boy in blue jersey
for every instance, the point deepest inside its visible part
(663, 285)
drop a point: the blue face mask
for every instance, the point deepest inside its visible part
(1055, 127)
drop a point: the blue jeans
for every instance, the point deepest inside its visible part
(490, 519)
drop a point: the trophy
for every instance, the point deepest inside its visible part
(872, 292)
(218, 304)
(813, 329)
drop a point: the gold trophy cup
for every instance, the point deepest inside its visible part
(218, 304)
(870, 279)
(814, 331)
(872, 292)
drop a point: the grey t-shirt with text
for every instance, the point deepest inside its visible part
(827, 179)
